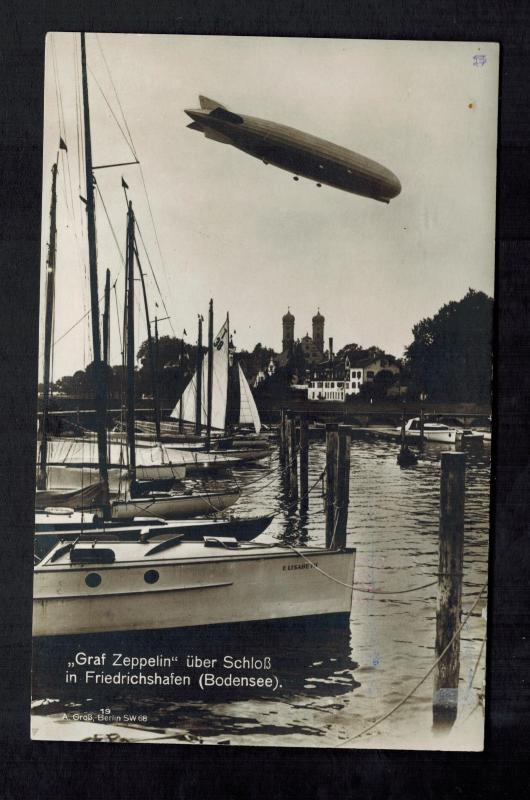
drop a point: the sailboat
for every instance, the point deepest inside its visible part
(220, 387)
(98, 583)
(76, 464)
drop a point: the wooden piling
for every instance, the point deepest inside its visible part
(292, 466)
(283, 443)
(422, 425)
(304, 463)
(343, 485)
(332, 447)
(449, 607)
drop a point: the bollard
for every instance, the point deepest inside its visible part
(332, 448)
(343, 485)
(292, 457)
(449, 606)
(304, 464)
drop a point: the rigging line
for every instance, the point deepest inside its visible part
(118, 316)
(116, 96)
(113, 114)
(422, 681)
(482, 646)
(54, 63)
(130, 142)
(153, 223)
(154, 277)
(122, 258)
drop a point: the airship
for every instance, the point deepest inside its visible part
(300, 153)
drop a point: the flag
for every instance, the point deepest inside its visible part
(184, 332)
(125, 186)
(62, 144)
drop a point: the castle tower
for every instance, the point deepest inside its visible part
(288, 332)
(318, 331)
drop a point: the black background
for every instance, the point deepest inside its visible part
(57, 770)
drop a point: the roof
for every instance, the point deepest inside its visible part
(288, 317)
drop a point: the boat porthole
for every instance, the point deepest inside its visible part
(93, 580)
(151, 576)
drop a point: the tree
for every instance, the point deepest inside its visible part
(450, 357)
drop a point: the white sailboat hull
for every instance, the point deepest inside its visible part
(174, 506)
(193, 589)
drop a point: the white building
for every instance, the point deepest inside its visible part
(337, 381)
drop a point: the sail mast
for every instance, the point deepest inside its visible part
(150, 348)
(227, 409)
(130, 342)
(106, 320)
(198, 395)
(181, 375)
(48, 326)
(210, 378)
(99, 376)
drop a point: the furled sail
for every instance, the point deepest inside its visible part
(219, 386)
(248, 413)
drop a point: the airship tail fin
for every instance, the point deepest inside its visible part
(207, 104)
(195, 126)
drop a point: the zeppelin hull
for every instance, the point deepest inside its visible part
(297, 152)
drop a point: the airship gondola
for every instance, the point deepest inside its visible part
(297, 152)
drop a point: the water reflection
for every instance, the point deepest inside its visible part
(334, 680)
(311, 659)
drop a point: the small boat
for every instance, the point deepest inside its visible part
(432, 431)
(154, 461)
(85, 587)
(65, 521)
(174, 505)
(67, 525)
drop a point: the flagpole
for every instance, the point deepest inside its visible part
(198, 382)
(210, 378)
(181, 375)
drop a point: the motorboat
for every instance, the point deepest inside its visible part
(432, 431)
(102, 586)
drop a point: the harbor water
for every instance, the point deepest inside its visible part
(334, 681)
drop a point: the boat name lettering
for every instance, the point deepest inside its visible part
(299, 566)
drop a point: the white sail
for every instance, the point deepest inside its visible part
(248, 413)
(219, 386)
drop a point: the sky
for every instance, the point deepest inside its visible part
(219, 223)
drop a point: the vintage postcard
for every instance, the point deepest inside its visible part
(263, 448)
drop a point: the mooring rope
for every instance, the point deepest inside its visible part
(342, 742)
(352, 586)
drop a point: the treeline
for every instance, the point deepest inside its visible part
(449, 360)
